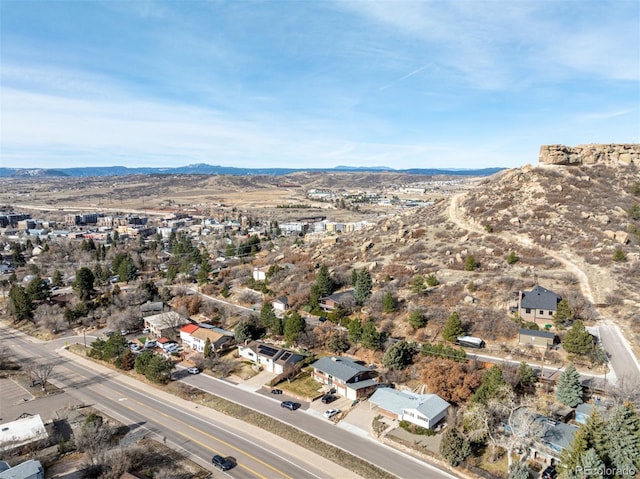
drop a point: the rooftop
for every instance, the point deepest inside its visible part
(342, 368)
(430, 405)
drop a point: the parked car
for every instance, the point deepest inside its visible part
(124, 332)
(549, 473)
(221, 463)
(329, 413)
(150, 344)
(290, 405)
(146, 331)
(328, 398)
(193, 370)
(276, 391)
(134, 347)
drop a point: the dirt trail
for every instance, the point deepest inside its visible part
(457, 216)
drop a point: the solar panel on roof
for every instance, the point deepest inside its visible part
(267, 350)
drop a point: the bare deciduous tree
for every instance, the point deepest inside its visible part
(506, 422)
(41, 372)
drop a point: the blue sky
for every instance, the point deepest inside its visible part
(403, 84)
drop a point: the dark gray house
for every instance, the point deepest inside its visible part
(538, 305)
(350, 378)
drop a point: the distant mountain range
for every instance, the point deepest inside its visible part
(204, 169)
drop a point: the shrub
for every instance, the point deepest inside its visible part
(415, 429)
(619, 255)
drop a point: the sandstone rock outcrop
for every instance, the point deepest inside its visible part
(612, 154)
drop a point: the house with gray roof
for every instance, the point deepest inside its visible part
(270, 357)
(350, 378)
(30, 469)
(331, 302)
(538, 305)
(554, 437)
(424, 410)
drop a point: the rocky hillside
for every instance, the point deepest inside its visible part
(575, 229)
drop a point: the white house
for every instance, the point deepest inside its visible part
(21, 432)
(280, 305)
(271, 358)
(424, 410)
(259, 274)
(164, 324)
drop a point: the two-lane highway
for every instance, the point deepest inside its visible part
(203, 432)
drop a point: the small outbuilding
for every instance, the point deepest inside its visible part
(541, 339)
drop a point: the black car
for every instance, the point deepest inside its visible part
(328, 398)
(276, 391)
(290, 405)
(549, 473)
(221, 463)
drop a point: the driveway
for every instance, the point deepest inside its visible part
(359, 418)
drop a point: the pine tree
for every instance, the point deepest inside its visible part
(568, 388)
(526, 376)
(454, 447)
(84, 282)
(564, 314)
(20, 303)
(453, 328)
(363, 287)
(337, 343)
(388, 303)
(294, 324)
(371, 337)
(323, 281)
(398, 356)
(591, 466)
(355, 331)
(470, 263)
(623, 440)
(492, 383)
(416, 319)
(578, 340)
(590, 436)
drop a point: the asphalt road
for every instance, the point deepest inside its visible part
(199, 435)
(622, 360)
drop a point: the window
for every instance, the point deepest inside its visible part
(550, 313)
(541, 312)
(528, 310)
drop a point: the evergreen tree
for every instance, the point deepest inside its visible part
(519, 471)
(17, 256)
(20, 303)
(590, 436)
(208, 349)
(84, 283)
(526, 376)
(418, 284)
(432, 280)
(623, 440)
(492, 383)
(337, 343)
(388, 303)
(470, 263)
(416, 319)
(363, 287)
(564, 314)
(124, 267)
(355, 331)
(453, 328)
(568, 388)
(454, 447)
(591, 466)
(371, 337)
(512, 258)
(270, 320)
(243, 332)
(38, 289)
(294, 324)
(354, 277)
(203, 273)
(578, 340)
(398, 356)
(323, 281)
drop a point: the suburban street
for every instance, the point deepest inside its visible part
(201, 432)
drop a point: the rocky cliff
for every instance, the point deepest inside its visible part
(590, 154)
